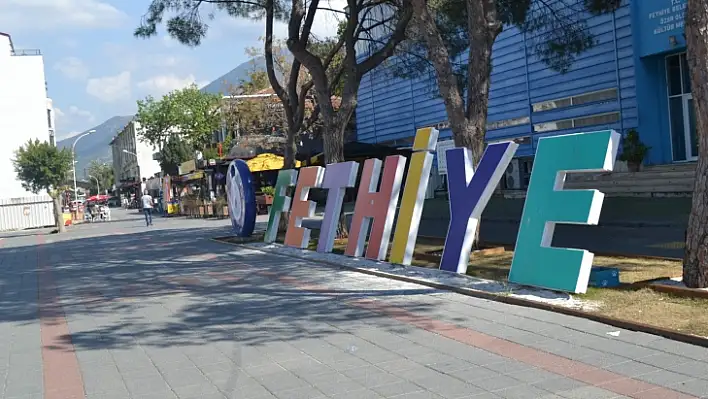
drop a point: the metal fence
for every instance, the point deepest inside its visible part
(26, 213)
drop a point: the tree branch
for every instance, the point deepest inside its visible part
(399, 34)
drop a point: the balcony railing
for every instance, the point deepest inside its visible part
(26, 52)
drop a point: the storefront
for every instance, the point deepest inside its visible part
(635, 77)
(663, 85)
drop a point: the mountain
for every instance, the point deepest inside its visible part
(95, 146)
(224, 83)
(241, 73)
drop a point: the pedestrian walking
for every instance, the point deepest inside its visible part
(147, 207)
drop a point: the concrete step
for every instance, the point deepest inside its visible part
(688, 166)
(631, 176)
(629, 183)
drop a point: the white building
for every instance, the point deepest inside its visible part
(25, 111)
(132, 159)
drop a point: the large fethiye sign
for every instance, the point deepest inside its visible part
(535, 262)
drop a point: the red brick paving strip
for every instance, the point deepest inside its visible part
(62, 375)
(578, 371)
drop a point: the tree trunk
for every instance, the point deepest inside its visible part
(58, 214)
(333, 140)
(468, 121)
(695, 262)
(290, 146)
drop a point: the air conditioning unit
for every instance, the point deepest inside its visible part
(512, 176)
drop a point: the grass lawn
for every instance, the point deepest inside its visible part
(637, 305)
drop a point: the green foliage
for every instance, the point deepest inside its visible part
(188, 27)
(268, 190)
(156, 120)
(633, 150)
(188, 111)
(173, 154)
(42, 166)
(210, 153)
(103, 172)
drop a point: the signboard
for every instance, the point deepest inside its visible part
(661, 25)
(443, 146)
(187, 167)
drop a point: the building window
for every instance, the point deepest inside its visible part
(526, 165)
(583, 121)
(508, 123)
(49, 118)
(491, 125)
(580, 99)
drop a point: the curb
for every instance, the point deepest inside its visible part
(679, 291)
(627, 325)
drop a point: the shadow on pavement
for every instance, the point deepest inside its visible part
(163, 287)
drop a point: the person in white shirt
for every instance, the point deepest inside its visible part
(147, 207)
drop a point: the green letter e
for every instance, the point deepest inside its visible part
(535, 262)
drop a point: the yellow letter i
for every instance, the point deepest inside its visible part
(406, 233)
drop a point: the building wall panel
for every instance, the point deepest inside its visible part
(518, 80)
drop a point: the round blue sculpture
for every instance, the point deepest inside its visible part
(241, 198)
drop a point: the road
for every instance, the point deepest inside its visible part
(121, 310)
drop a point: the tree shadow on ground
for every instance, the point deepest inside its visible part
(164, 288)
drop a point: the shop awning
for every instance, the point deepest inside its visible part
(268, 161)
(192, 176)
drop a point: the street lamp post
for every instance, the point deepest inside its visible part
(73, 159)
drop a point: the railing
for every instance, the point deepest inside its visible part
(27, 52)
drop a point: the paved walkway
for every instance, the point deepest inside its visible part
(118, 310)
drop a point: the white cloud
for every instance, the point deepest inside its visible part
(81, 113)
(74, 112)
(110, 88)
(63, 136)
(162, 84)
(58, 113)
(70, 119)
(37, 15)
(72, 68)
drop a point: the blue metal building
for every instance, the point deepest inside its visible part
(635, 77)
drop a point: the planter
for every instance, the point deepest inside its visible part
(268, 199)
(225, 211)
(634, 166)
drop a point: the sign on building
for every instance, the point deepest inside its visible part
(443, 146)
